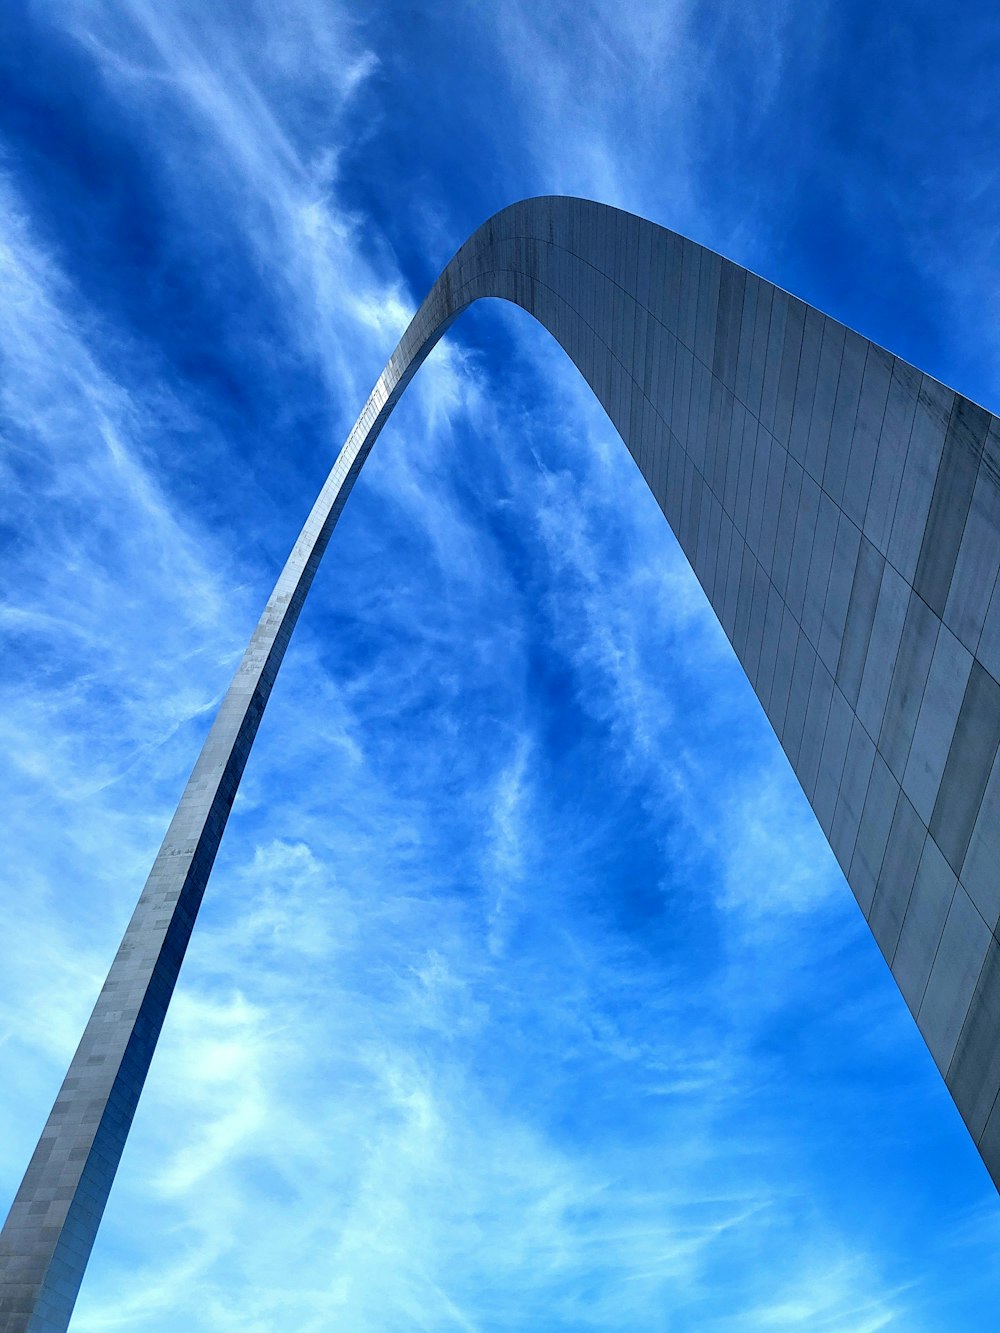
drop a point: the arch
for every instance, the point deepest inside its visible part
(841, 510)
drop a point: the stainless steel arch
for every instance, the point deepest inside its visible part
(842, 512)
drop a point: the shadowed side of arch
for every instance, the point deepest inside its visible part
(842, 513)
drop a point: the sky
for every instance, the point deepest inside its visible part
(526, 994)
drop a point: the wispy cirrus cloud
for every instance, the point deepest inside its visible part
(493, 1018)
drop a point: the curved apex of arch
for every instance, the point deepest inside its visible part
(841, 510)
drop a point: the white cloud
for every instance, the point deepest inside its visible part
(416, 1074)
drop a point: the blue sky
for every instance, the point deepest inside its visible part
(526, 994)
